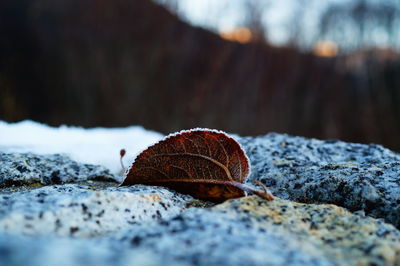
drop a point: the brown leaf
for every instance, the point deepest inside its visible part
(206, 164)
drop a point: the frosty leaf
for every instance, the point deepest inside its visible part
(206, 164)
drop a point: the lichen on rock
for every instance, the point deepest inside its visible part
(342, 236)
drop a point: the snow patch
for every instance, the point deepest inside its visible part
(94, 145)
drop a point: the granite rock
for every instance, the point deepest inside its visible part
(220, 237)
(358, 177)
(341, 236)
(28, 168)
(252, 231)
(246, 231)
(84, 211)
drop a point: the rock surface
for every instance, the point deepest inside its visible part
(246, 231)
(85, 211)
(28, 168)
(253, 231)
(86, 219)
(355, 176)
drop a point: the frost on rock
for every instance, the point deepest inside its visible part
(29, 168)
(79, 211)
(355, 176)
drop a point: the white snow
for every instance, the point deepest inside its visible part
(94, 145)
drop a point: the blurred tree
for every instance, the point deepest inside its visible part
(296, 25)
(255, 11)
(361, 24)
(123, 62)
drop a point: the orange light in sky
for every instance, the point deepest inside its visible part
(242, 35)
(326, 49)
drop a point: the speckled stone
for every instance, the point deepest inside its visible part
(342, 236)
(28, 168)
(81, 211)
(196, 237)
(246, 231)
(216, 237)
(252, 231)
(355, 176)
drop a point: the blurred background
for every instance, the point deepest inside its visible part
(324, 69)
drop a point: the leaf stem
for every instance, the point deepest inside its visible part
(263, 194)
